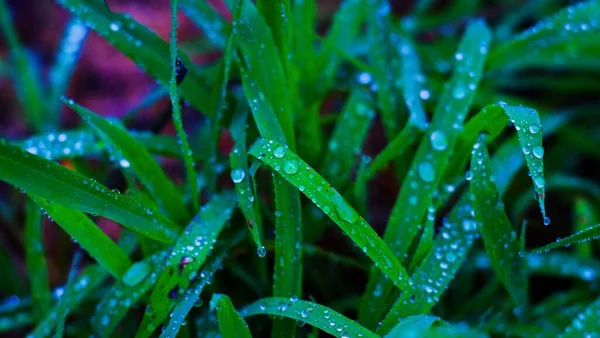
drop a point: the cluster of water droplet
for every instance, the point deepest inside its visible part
(56, 146)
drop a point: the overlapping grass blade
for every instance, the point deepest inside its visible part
(35, 258)
(430, 160)
(188, 255)
(206, 17)
(144, 47)
(138, 280)
(574, 26)
(498, 236)
(108, 254)
(130, 154)
(231, 323)
(585, 323)
(294, 170)
(589, 234)
(178, 73)
(314, 314)
(27, 80)
(47, 179)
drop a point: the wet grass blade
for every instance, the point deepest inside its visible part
(141, 45)
(412, 77)
(414, 326)
(589, 234)
(178, 73)
(47, 179)
(26, 79)
(130, 154)
(585, 323)
(117, 302)
(431, 158)
(278, 19)
(584, 215)
(204, 16)
(314, 314)
(499, 238)
(37, 268)
(231, 323)
(188, 255)
(64, 300)
(98, 245)
(294, 170)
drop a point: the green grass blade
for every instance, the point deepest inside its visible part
(294, 170)
(426, 240)
(574, 26)
(589, 234)
(204, 16)
(431, 159)
(50, 180)
(585, 323)
(240, 175)
(144, 47)
(131, 154)
(413, 326)
(499, 238)
(231, 323)
(136, 282)
(311, 313)
(411, 84)
(64, 300)
(188, 255)
(108, 254)
(584, 215)
(37, 268)
(277, 16)
(65, 61)
(178, 73)
(29, 85)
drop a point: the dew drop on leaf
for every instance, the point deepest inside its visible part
(290, 167)
(136, 273)
(279, 152)
(438, 140)
(426, 171)
(237, 175)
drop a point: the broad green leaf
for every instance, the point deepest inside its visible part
(204, 16)
(178, 73)
(589, 234)
(35, 258)
(141, 45)
(430, 161)
(47, 179)
(190, 252)
(574, 26)
(294, 170)
(130, 154)
(25, 76)
(585, 324)
(231, 323)
(584, 216)
(127, 292)
(413, 326)
(314, 314)
(91, 238)
(499, 238)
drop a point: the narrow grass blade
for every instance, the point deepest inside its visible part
(426, 240)
(131, 154)
(231, 323)
(47, 179)
(188, 255)
(37, 268)
(574, 25)
(413, 326)
(64, 300)
(64, 64)
(589, 234)
(277, 17)
(178, 73)
(585, 323)
(108, 254)
(117, 302)
(314, 314)
(584, 215)
(204, 16)
(498, 236)
(144, 47)
(411, 84)
(28, 84)
(430, 161)
(240, 175)
(294, 170)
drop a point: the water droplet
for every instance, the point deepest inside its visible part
(290, 167)
(124, 163)
(438, 140)
(538, 151)
(237, 175)
(426, 171)
(424, 94)
(279, 152)
(343, 209)
(136, 273)
(546, 220)
(458, 93)
(534, 129)
(115, 26)
(539, 181)
(293, 298)
(261, 251)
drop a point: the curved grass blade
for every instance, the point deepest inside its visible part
(188, 255)
(47, 179)
(64, 300)
(585, 323)
(294, 170)
(584, 215)
(204, 16)
(240, 175)
(37, 268)
(413, 326)
(64, 65)
(178, 73)
(574, 25)
(131, 154)
(108, 254)
(498, 236)
(430, 160)
(144, 47)
(29, 84)
(589, 234)
(136, 282)
(231, 323)
(314, 314)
